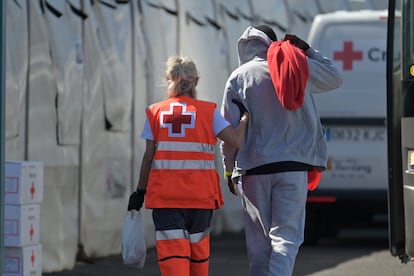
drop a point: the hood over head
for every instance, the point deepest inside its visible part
(253, 42)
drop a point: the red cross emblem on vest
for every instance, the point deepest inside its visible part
(347, 55)
(177, 119)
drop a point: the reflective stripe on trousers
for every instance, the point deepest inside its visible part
(183, 254)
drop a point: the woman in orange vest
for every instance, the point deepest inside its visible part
(178, 178)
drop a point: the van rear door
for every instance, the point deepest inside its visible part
(354, 115)
(353, 189)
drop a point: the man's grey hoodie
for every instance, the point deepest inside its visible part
(274, 134)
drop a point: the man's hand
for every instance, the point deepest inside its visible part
(232, 186)
(301, 44)
(136, 199)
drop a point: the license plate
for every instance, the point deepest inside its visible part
(356, 134)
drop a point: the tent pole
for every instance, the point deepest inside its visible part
(2, 127)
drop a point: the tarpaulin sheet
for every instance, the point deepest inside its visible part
(160, 23)
(106, 154)
(65, 42)
(59, 209)
(16, 78)
(140, 100)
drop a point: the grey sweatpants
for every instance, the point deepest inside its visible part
(274, 208)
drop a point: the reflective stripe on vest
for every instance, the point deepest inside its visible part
(185, 146)
(183, 165)
(190, 159)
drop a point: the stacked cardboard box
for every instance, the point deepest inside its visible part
(23, 196)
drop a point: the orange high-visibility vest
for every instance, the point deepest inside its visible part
(183, 173)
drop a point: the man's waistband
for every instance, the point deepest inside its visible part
(278, 167)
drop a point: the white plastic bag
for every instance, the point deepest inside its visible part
(134, 249)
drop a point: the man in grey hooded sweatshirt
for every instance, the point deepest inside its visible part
(281, 146)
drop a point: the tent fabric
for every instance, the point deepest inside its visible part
(59, 222)
(64, 35)
(159, 21)
(16, 68)
(114, 36)
(106, 154)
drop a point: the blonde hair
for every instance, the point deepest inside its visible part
(182, 76)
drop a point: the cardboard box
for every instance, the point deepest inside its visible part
(21, 225)
(23, 182)
(23, 261)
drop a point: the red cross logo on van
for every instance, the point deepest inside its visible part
(348, 55)
(177, 119)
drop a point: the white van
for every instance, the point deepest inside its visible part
(354, 188)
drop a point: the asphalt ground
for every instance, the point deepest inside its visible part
(228, 257)
(354, 254)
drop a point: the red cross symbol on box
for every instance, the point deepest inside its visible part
(32, 190)
(31, 232)
(33, 258)
(177, 119)
(348, 55)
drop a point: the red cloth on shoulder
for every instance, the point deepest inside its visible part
(289, 71)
